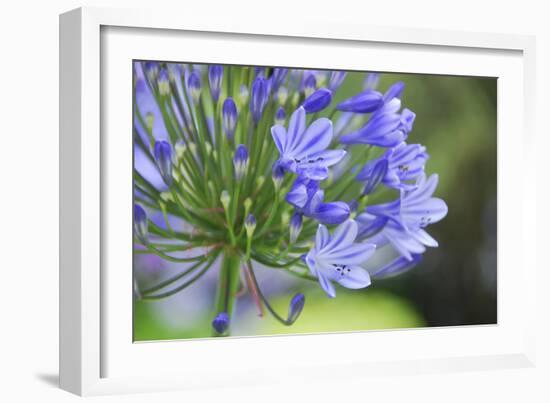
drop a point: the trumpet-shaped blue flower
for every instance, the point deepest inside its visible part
(384, 129)
(404, 163)
(408, 216)
(304, 150)
(376, 174)
(307, 198)
(338, 257)
(317, 101)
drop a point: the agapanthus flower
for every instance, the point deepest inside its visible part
(304, 150)
(338, 258)
(408, 216)
(308, 199)
(202, 171)
(405, 162)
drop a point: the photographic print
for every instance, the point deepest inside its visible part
(272, 200)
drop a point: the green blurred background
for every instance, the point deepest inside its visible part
(455, 284)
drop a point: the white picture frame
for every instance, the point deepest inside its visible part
(96, 355)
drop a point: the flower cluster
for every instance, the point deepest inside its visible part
(256, 165)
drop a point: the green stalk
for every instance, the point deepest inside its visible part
(228, 284)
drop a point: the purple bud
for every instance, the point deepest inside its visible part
(376, 176)
(258, 98)
(250, 224)
(229, 118)
(215, 75)
(140, 223)
(317, 101)
(163, 157)
(277, 174)
(309, 84)
(364, 102)
(332, 213)
(295, 308)
(394, 91)
(194, 85)
(295, 226)
(336, 80)
(221, 323)
(152, 69)
(240, 161)
(278, 76)
(371, 81)
(280, 116)
(369, 225)
(407, 119)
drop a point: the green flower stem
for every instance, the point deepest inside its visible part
(228, 284)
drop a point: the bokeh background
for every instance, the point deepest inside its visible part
(455, 284)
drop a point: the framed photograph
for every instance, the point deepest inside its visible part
(243, 203)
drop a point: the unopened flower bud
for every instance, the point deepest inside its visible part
(163, 158)
(295, 227)
(229, 118)
(140, 224)
(240, 161)
(250, 225)
(221, 323)
(215, 75)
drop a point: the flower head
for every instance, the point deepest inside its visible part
(304, 150)
(338, 258)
